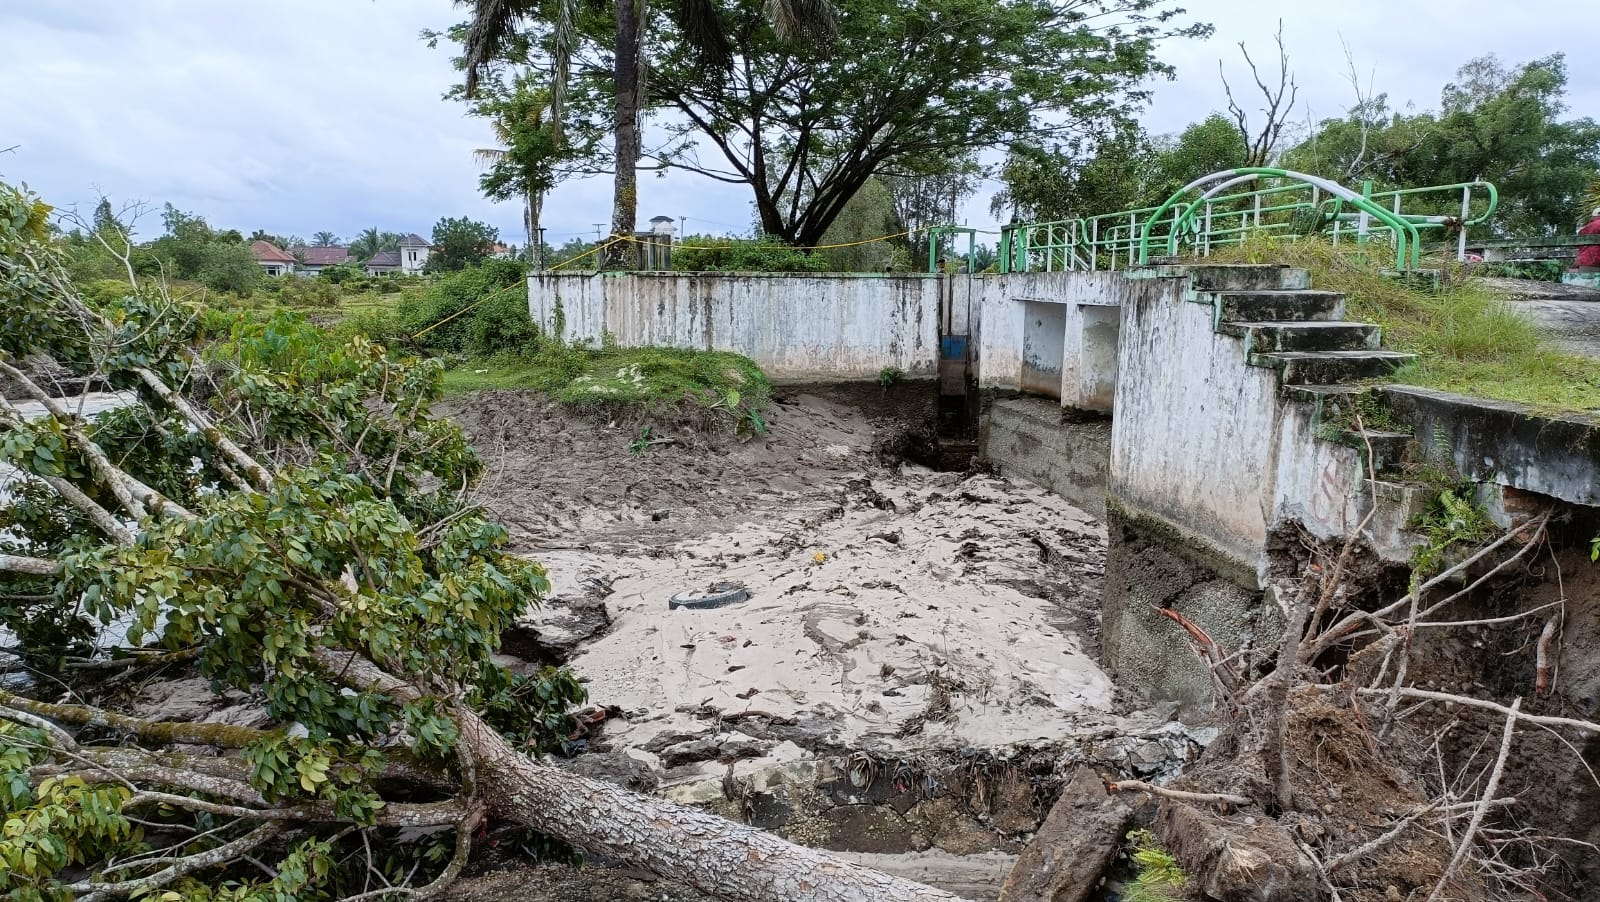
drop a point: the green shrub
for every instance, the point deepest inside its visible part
(105, 291)
(295, 291)
(378, 325)
(705, 253)
(229, 267)
(500, 323)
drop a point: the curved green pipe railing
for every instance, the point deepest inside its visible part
(1408, 241)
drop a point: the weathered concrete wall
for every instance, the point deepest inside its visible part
(1506, 444)
(1193, 441)
(796, 327)
(1015, 311)
(1150, 565)
(1031, 438)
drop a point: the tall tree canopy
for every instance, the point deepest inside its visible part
(898, 86)
(901, 83)
(1121, 170)
(1503, 124)
(459, 242)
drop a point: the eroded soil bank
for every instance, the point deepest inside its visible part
(913, 666)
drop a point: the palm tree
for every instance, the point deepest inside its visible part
(324, 239)
(518, 122)
(366, 244)
(495, 23)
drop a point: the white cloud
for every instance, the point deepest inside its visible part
(326, 114)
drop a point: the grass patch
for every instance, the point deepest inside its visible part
(632, 384)
(1468, 338)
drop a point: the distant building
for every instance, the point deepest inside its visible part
(316, 259)
(414, 251)
(408, 259)
(383, 263)
(273, 260)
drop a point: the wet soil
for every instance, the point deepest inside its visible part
(894, 612)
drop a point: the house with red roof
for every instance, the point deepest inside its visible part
(273, 260)
(315, 259)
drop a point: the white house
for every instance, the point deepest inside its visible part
(408, 259)
(271, 258)
(414, 251)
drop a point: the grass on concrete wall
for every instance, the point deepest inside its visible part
(1468, 338)
(627, 383)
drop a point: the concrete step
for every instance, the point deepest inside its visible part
(1389, 449)
(1331, 367)
(1304, 336)
(1236, 276)
(1262, 306)
(1324, 394)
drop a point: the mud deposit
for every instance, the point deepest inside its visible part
(911, 633)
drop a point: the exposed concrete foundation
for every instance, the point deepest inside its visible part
(1152, 565)
(1035, 439)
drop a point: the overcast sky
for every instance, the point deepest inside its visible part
(306, 115)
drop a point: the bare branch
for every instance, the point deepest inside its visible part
(218, 734)
(32, 566)
(1488, 796)
(1178, 795)
(180, 868)
(1279, 103)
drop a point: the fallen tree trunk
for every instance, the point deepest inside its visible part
(713, 854)
(710, 853)
(294, 570)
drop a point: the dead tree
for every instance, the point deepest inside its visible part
(283, 509)
(1278, 103)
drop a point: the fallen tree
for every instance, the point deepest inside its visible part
(282, 509)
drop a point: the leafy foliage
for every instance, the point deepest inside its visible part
(634, 384)
(459, 242)
(499, 322)
(1158, 877)
(1495, 122)
(1122, 169)
(710, 253)
(345, 529)
(895, 88)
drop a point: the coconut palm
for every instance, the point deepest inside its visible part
(521, 167)
(495, 23)
(324, 239)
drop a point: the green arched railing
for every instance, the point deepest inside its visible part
(1292, 203)
(1407, 240)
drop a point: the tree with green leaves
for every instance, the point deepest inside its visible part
(532, 147)
(459, 242)
(1499, 123)
(871, 214)
(1123, 169)
(285, 513)
(324, 239)
(551, 34)
(191, 249)
(373, 241)
(805, 126)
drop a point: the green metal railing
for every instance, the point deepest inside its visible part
(1206, 214)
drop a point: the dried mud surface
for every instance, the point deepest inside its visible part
(891, 608)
